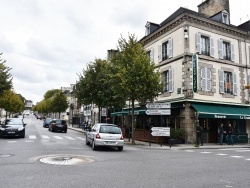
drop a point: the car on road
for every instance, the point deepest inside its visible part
(12, 127)
(104, 134)
(38, 116)
(58, 124)
(47, 122)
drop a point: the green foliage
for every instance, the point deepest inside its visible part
(51, 93)
(11, 102)
(59, 103)
(5, 77)
(177, 133)
(135, 75)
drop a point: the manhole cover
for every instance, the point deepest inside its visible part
(5, 155)
(65, 159)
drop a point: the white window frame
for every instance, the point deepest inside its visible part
(225, 18)
(168, 80)
(227, 82)
(165, 50)
(223, 52)
(209, 42)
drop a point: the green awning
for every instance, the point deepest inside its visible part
(126, 112)
(221, 111)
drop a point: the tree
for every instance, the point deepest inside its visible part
(5, 76)
(59, 103)
(135, 74)
(11, 102)
(95, 85)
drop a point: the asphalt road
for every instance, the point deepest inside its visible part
(55, 159)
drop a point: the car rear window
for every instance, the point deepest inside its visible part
(60, 122)
(110, 129)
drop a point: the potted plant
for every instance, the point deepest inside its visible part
(177, 136)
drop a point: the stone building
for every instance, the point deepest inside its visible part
(204, 63)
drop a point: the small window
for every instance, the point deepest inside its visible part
(168, 81)
(204, 45)
(165, 50)
(227, 82)
(226, 50)
(225, 18)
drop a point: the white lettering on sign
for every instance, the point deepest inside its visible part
(160, 131)
(222, 117)
(158, 112)
(158, 105)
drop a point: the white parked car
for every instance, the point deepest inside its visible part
(104, 134)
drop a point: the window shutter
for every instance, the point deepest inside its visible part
(221, 81)
(171, 80)
(198, 42)
(170, 48)
(160, 53)
(220, 45)
(203, 78)
(234, 84)
(211, 47)
(209, 80)
(152, 55)
(232, 53)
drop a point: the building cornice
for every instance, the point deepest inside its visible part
(192, 19)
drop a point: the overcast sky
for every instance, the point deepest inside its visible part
(47, 42)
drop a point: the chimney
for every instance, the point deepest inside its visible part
(211, 7)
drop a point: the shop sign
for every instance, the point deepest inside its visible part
(195, 72)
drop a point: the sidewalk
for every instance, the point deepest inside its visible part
(175, 146)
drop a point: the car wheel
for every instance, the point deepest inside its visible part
(65, 131)
(52, 129)
(48, 129)
(87, 142)
(120, 148)
(93, 145)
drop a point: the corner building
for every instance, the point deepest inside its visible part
(204, 63)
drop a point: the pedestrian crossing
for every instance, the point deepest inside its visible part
(32, 138)
(227, 153)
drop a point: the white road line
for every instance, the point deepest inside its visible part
(221, 154)
(237, 156)
(80, 138)
(58, 137)
(45, 137)
(29, 141)
(189, 150)
(32, 136)
(11, 142)
(206, 152)
(242, 150)
(248, 159)
(70, 138)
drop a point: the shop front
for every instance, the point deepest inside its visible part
(210, 116)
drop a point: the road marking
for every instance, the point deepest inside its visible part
(29, 141)
(248, 159)
(80, 138)
(11, 142)
(237, 156)
(45, 137)
(242, 150)
(58, 137)
(189, 150)
(32, 136)
(221, 154)
(70, 138)
(206, 152)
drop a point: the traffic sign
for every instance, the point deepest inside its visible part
(158, 112)
(160, 131)
(158, 105)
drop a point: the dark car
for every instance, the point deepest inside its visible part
(47, 122)
(12, 127)
(39, 116)
(58, 125)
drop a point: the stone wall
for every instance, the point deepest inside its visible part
(211, 7)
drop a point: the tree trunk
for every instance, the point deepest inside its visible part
(133, 126)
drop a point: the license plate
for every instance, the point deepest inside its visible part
(59, 125)
(110, 142)
(11, 132)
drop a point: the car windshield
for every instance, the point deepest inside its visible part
(110, 129)
(13, 121)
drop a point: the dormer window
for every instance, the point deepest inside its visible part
(225, 18)
(147, 31)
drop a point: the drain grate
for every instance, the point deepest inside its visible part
(65, 159)
(6, 155)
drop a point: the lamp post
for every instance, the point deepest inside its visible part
(196, 125)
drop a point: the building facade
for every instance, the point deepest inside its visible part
(204, 61)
